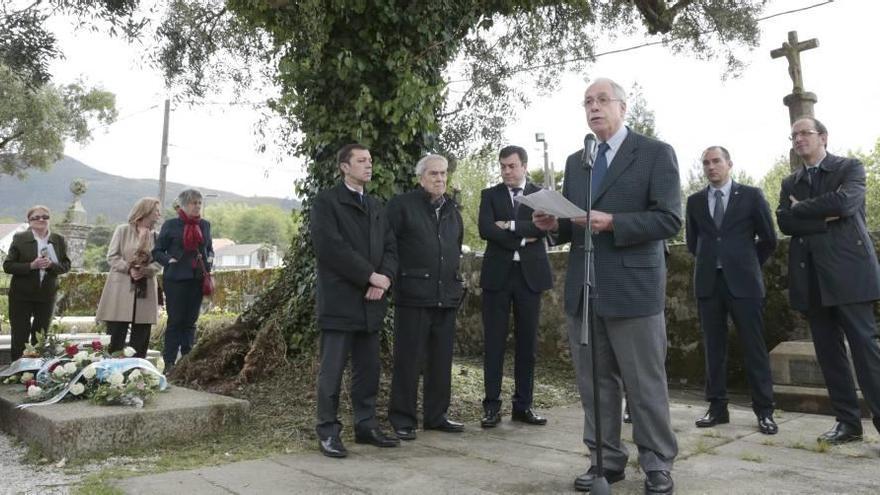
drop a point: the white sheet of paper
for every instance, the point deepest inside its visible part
(551, 202)
(52, 255)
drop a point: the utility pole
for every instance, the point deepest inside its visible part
(549, 179)
(163, 163)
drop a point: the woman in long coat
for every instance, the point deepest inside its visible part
(36, 258)
(130, 295)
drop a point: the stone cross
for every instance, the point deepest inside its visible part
(792, 51)
(799, 102)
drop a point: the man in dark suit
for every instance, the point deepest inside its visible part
(833, 275)
(723, 221)
(514, 273)
(636, 205)
(427, 291)
(356, 260)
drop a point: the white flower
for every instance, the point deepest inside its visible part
(34, 391)
(129, 351)
(134, 375)
(160, 364)
(26, 377)
(77, 388)
(116, 378)
(59, 349)
(70, 367)
(105, 340)
(80, 356)
(89, 372)
(59, 372)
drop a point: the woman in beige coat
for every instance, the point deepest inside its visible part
(130, 295)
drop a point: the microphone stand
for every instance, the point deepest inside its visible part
(588, 334)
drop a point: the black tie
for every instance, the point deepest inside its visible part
(814, 181)
(516, 192)
(718, 212)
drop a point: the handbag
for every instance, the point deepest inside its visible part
(207, 279)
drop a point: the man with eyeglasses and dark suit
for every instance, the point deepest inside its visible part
(833, 275)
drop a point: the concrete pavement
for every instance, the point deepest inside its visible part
(516, 458)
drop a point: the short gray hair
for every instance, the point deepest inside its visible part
(619, 92)
(420, 166)
(188, 196)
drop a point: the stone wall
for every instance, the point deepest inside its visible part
(685, 355)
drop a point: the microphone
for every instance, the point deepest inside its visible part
(590, 144)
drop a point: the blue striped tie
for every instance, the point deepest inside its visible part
(600, 166)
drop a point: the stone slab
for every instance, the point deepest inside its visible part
(74, 429)
(813, 400)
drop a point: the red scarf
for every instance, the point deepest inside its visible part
(192, 234)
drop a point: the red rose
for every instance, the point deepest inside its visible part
(71, 350)
(28, 383)
(52, 368)
(96, 345)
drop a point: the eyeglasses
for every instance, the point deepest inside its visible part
(602, 101)
(803, 134)
(38, 217)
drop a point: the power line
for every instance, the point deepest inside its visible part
(636, 47)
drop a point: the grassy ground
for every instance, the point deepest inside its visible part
(283, 415)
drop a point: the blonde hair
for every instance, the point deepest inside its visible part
(142, 208)
(34, 208)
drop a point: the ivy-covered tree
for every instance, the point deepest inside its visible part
(402, 78)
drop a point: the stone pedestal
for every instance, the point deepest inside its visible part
(799, 105)
(75, 227)
(798, 384)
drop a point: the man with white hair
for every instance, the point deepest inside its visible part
(635, 207)
(427, 291)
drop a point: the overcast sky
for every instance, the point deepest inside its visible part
(213, 145)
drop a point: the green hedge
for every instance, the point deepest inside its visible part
(79, 293)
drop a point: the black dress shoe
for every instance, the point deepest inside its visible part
(405, 433)
(659, 482)
(332, 447)
(528, 416)
(712, 418)
(584, 482)
(767, 426)
(491, 419)
(376, 437)
(448, 426)
(626, 416)
(841, 433)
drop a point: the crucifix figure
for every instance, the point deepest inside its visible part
(792, 51)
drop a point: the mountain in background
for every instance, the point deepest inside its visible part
(109, 195)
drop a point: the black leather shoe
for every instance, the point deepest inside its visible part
(767, 426)
(584, 482)
(376, 437)
(405, 433)
(528, 416)
(626, 417)
(491, 419)
(712, 418)
(658, 482)
(448, 426)
(841, 433)
(332, 447)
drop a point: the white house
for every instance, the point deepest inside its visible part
(241, 256)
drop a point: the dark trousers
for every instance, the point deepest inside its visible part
(423, 339)
(829, 325)
(140, 337)
(336, 346)
(746, 313)
(26, 319)
(183, 300)
(496, 322)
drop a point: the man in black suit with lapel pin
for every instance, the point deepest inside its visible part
(356, 258)
(730, 232)
(833, 274)
(514, 273)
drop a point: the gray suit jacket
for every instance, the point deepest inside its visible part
(643, 192)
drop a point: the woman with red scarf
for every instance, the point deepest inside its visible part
(184, 248)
